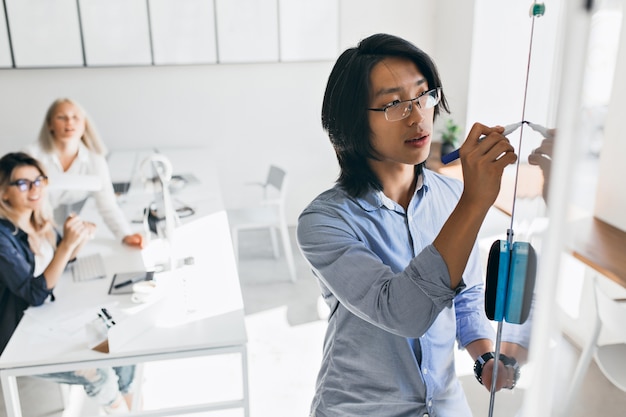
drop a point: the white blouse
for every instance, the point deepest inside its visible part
(87, 163)
(44, 257)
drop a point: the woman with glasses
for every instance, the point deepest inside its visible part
(393, 243)
(32, 258)
(68, 143)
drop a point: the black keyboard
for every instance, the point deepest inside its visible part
(121, 187)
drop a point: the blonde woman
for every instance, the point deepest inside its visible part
(32, 258)
(69, 144)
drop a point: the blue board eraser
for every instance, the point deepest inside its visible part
(521, 282)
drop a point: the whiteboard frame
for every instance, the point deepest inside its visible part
(6, 53)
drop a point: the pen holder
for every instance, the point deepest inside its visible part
(98, 335)
(108, 334)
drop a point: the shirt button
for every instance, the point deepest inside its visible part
(430, 403)
(426, 415)
(425, 371)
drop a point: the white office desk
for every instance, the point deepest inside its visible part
(50, 338)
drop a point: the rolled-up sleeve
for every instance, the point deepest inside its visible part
(105, 199)
(434, 278)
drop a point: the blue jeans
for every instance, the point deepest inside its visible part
(101, 384)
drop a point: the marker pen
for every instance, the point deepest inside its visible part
(454, 155)
(108, 316)
(130, 281)
(538, 128)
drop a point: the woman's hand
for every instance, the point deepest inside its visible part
(135, 240)
(76, 231)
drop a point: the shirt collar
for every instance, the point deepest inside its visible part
(83, 155)
(15, 231)
(375, 199)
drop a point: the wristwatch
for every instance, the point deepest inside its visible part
(507, 361)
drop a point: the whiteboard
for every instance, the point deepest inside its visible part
(610, 201)
(115, 32)
(183, 31)
(45, 33)
(247, 31)
(308, 30)
(5, 49)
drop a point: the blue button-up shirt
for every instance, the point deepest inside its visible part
(389, 346)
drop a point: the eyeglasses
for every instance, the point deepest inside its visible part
(26, 185)
(401, 109)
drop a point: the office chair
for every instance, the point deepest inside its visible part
(610, 315)
(268, 214)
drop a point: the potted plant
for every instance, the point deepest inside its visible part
(449, 137)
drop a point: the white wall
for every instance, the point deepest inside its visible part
(452, 52)
(611, 191)
(250, 115)
(502, 32)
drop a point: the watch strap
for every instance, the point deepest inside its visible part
(506, 360)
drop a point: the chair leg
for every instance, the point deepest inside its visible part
(284, 231)
(65, 394)
(234, 237)
(274, 243)
(138, 395)
(73, 400)
(581, 369)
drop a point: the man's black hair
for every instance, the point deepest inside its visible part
(344, 109)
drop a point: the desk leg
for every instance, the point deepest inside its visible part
(244, 369)
(11, 395)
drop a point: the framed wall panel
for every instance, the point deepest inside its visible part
(183, 31)
(5, 49)
(247, 30)
(308, 29)
(45, 33)
(115, 32)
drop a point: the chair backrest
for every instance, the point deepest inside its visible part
(611, 312)
(276, 177)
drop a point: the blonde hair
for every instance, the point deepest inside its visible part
(40, 219)
(90, 138)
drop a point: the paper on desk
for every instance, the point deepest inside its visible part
(62, 323)
(190, 297)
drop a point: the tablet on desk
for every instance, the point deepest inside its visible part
(122, 282)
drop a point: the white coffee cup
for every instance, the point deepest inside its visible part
(143, 291)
